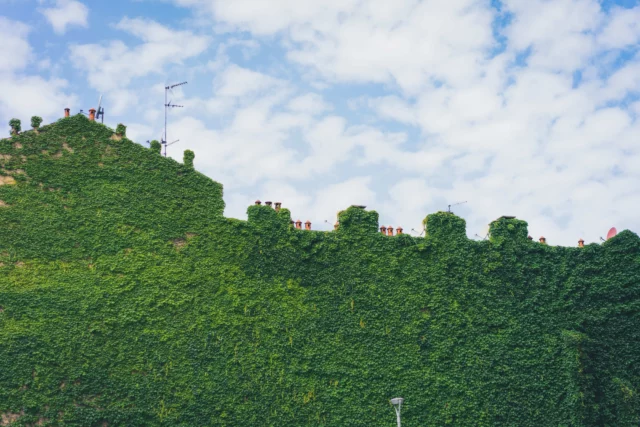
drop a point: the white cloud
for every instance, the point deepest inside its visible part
(113, 65)
(23, 97)
(534, 116)
(66, 13)
(310, 103)
(14, 49)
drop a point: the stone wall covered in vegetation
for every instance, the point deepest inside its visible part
(128, 299)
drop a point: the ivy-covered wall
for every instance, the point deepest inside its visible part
(127, 299)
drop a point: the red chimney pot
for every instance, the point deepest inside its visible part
(307, 225)
(383, 229)
(389, 231)
(258, 202)
(581, 243)
(67, 112)
(298, 224)
(92, 114)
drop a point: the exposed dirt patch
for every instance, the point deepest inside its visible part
(116, 137)
(3, 204)
(9, 418)
(19, 264)
(17, 146)
(179, 243)
(101, 164)
(7, 180)
(5, 156)
(66, 147)
(57, 155)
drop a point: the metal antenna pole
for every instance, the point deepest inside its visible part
(455, 204)
(168, 104)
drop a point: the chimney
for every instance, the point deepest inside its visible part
(307, 225)
(383, 230)
(398, 230)
(335, 226)
(389, 231)
(268, 203)
(278, 206)
(529, 237)
(543, 240)
(92, 114)
(67, 112)
(258, 202)
(581, 243)
(298, 224)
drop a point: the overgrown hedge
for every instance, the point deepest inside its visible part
(126, 298)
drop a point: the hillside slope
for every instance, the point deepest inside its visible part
(126, 298)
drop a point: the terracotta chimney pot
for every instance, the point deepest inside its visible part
(389, 231)
(529, 237)
(92, 114)
(398, 230)
(268, 203)
(581, 243)
(298, 224)
(278, 206)
(67, 112)
(335, 226)
(543, 240)
(307, 225)
(258, 202)
(383, 229)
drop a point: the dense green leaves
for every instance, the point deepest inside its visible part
(126, 298)
(36, 121)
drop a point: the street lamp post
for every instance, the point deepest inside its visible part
(397, 403)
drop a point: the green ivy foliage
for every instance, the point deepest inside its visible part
(155, 146)
(15, 125)
(128, 299)
(121, 130)
(188, 158)
(36, 121)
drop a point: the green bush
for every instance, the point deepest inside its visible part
(16, 126)
(35, 122)
(155, 146)
(188, 158)
(121, 130)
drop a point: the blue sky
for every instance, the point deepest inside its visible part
(526, 108)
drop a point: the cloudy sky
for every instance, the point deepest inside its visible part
(518, 107)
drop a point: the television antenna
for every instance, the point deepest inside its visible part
(100, 110)
(168, 104)
(455, 204)
(166, 145)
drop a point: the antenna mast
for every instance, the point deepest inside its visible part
(455, 204)
(167, 105)
(100, 112)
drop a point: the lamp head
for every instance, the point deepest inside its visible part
(397, 401)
